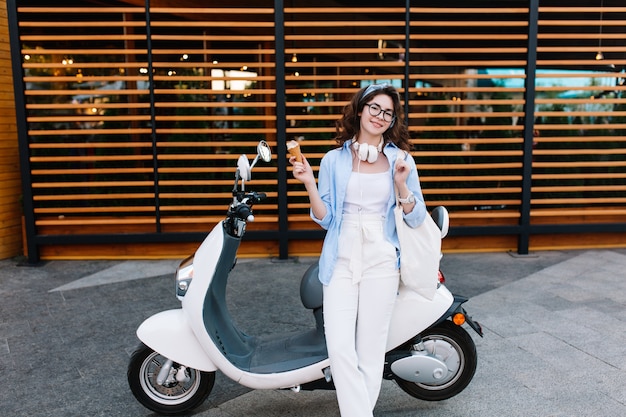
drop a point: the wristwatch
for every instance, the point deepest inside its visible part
(408, 200)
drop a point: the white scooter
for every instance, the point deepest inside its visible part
(430, 355)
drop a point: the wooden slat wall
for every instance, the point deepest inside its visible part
(10, 185)
(90, 121)
(468, 122)
(91, 124)
(467, 112)
(579, 166)
(215, 98)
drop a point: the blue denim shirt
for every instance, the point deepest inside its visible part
(335, 170)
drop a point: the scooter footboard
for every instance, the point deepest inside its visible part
(169, 333)
(413, 313)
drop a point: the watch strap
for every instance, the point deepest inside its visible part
(409, 199)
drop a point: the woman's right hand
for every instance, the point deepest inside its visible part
(302, 171)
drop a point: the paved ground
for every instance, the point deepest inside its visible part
(555, 336)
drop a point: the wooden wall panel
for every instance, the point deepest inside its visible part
(10, 184)
(110, 154)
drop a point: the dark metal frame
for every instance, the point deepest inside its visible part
(524, 230)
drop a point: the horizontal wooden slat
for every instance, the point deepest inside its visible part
(578, 101)
(473, 63)
(465, 167)
(578, 176)
(95, 196)
(62, 211)
(55, 106)
(201, 91)
(92, 158)
(81, 37)
(233, 131)
(344, 37)
(472, 51)
(215, 118)
(75, 184)
(221, 51)
(80, 10)
(580, 152)
(183, 104)
(216, 38)
(450, 178)
(212, 23)
(580, 164)
(498, 190)
(81, 132)
(209, 143)
(104, 51)
(343, 24)
(90, 145)
(581, 23)
(212, 10)
(92, 171)
(82, 222)
(99, 92)
(579, 62)
(484, 214)
(468, 23)
(585, 201)
(90, 118)
(339, 10)
(466, 127)
(82, 24)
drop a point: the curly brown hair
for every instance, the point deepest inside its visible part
(349, 125)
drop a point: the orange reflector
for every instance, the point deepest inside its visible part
(440, 277)
(458, 319)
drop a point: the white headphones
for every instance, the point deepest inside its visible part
(367, 152)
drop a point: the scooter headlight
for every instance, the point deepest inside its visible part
(184, 275)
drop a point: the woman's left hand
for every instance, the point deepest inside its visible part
(401, 173)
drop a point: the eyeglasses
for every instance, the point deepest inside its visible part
(376, 110)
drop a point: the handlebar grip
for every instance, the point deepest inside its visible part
(244, 211)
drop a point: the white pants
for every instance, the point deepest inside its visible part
(358, 303)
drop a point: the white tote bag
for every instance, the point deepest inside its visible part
(420, 251)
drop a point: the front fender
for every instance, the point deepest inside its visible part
(169, 333)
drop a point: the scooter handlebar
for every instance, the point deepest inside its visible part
(255, 197)
(244, 210)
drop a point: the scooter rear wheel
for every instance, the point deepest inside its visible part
(453, 345)
(184, 389)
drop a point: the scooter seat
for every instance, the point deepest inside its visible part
(311, 292)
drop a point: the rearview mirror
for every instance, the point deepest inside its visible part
(263, 152)
(244, 167)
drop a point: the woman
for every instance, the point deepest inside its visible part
(359, 263)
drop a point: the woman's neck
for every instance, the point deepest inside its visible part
(369, 139)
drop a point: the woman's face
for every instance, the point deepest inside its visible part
(381, 106)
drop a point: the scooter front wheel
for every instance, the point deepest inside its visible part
(453, 346)
(166, 387)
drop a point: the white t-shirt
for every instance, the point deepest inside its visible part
(368, 192)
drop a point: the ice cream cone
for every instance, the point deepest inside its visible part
(293, 148)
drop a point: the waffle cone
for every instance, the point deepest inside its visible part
(293, 148)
